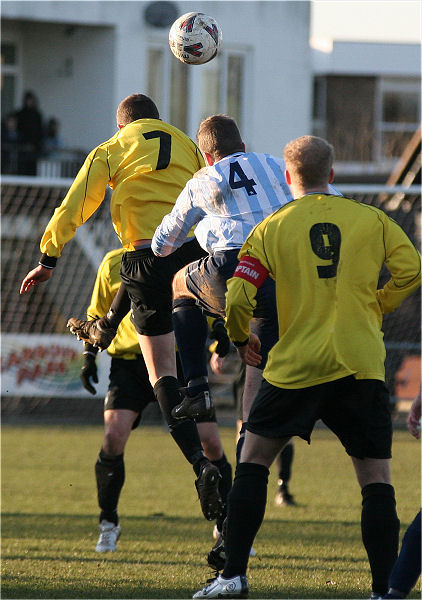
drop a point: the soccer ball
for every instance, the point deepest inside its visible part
(195, 38)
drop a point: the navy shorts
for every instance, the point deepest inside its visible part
(356, 411)
(148, 278)
(207, 279)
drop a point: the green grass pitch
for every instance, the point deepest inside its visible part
(50, 519)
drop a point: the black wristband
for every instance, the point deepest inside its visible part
(47, 261)
(90, 349)
(240, 344)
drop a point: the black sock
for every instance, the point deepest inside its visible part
(284, 463)
(119, 307)
(380, 532)
(183, 431)
(240, 442)
(191, 332)
(110, 476)
(246, 509)
(199, 384)
(224, 485)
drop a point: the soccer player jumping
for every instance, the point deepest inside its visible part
(146, 163)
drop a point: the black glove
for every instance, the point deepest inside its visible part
(219, 333)
(89, 368)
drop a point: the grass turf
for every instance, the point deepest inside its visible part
(50, 519)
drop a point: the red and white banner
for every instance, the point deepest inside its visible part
(46, 365)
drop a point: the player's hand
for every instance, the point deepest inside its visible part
(414, 418)
(249, 353)
(219, 333)
(34, 277)
(88, 371)
(216, 363)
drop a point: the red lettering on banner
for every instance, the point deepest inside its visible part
(12, 360)
(250, 269)
(42, 355)
(38, 371)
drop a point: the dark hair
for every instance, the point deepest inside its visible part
(219, 136)
(134, 107)
(28, 95)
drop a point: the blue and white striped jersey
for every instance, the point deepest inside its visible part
(224, 201)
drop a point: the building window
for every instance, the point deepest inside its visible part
(210, 86)
(235, 69)
(9, 77)
(345, 112)
(399, 111)
(223, 86)
(319, 102)
(155, 68)
(367, 119)
(168, 85)
(186, 94)
(179, 88)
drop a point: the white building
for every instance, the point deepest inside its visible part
(82, 58)
(367, 102)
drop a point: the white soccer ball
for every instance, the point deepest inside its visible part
(195, 38)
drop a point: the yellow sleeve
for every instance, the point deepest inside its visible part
(212, 347)
(240, 304)
(102, 292)
(404, 264)
(82, 200)
(241, 294)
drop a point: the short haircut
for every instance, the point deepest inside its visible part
(309, 160)
(219, 136)
(134, 107)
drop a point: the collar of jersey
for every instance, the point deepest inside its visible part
(229, 156)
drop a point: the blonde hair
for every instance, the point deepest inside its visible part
(309, 160)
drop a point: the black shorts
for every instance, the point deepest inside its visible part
(207, 279)
(356, 410)
(129, 387)
(148, 280)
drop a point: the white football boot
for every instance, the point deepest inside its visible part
(109, 534)
(235, 587)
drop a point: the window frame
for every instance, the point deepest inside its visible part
(14, 70)
(195, 74)
(379, 162)
(386, 85)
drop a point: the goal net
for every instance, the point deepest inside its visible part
(39, 357)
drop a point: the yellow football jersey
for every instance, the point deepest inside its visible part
(147, 164)
(125, 344)
(325, 253)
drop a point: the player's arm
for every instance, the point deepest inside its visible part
(240, 303)
(218, 332)
(101, 298)
(82, 200)
(414, 417)
(89, 372)
(103, 291)
(250, 274)
(404, 264)
(175, 227)
(36, 276)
